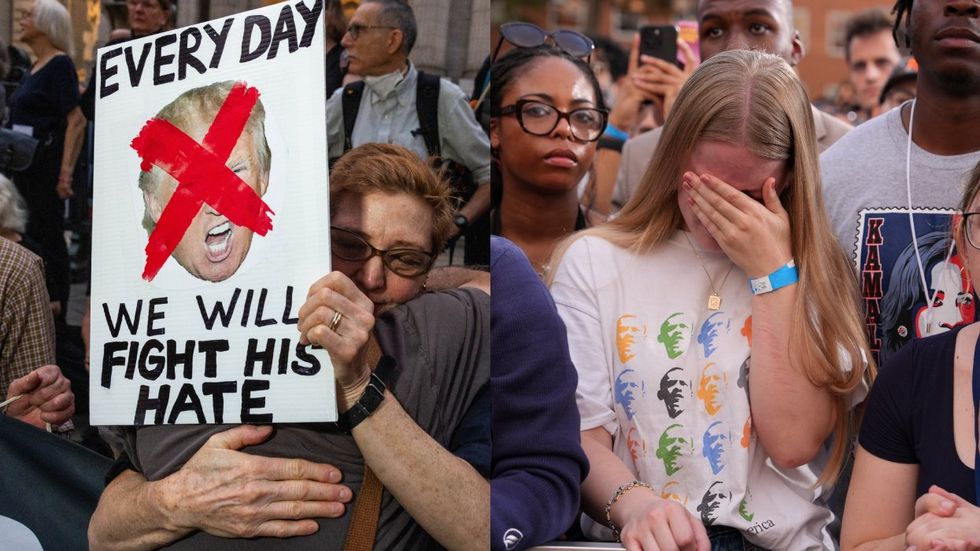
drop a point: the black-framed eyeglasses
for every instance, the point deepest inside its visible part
(971, 224)
(406, 262)
(529, 35)
(355, 29)
(540, 119)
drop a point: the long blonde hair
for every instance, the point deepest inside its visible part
(755, 99)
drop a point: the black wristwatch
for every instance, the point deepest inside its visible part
(373, 395)
(462, 222)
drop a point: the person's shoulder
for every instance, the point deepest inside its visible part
(643, 144)
(920, 361)
(446, 302)
(447, 88)
(60, 62)
(857, 144)
(833, 128)
(18, 264)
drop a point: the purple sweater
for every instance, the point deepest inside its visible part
(538, 462)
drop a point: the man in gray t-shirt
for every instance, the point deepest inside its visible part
(869, 193)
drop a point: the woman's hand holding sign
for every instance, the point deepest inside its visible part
(754, 234)
(340, 318)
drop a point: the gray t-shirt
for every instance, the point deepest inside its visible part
(441, 343)
(864, 179)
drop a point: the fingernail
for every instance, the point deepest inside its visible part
(946, 504)
(334, 476)
(344, 494)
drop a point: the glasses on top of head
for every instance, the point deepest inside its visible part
(540, 119)
(355, 29)
(406, 262)
(529, 35)
(971, 225)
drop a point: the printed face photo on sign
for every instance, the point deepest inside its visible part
(218, 193)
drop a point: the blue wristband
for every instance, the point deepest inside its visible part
(614, 132)
(786, 275)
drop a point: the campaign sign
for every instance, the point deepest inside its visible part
(211, 221)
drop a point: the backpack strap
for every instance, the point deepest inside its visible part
(363, 527)
(351, 102)
(427, 107)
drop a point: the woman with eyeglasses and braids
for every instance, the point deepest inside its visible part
(547, 113)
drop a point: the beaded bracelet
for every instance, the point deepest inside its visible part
(620, 492)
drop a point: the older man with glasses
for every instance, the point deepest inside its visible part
(390, 106)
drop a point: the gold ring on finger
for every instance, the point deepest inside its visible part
(335, 321)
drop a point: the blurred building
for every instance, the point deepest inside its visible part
(454, 50)
(820, 22)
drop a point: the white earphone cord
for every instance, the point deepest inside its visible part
(915, 240)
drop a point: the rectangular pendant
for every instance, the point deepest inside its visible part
(714, 302)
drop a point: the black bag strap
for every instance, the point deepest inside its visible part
(427, 107)
(351, 102)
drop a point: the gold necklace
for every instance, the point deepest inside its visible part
(714, 300)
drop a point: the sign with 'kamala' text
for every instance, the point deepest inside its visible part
(211, 223)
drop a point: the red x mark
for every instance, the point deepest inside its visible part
(201, 175)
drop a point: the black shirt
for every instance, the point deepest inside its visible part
(46, 97)
(909, 416)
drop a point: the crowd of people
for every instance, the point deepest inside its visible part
(726, 317)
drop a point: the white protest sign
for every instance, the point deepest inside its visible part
(211, 221)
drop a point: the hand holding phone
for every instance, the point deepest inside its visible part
(659, 41)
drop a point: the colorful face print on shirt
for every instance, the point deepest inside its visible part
(709, 332)
(746, 433)
(890, 281)
(674, 389)
(674, 335)
(743, 509)
(713, 497)
(669, 449)
(747, 330)
(713, 444)
(672, 490)
(629, 386)
(629, 331)
(743, 374)
(709, 390)
(636, 445)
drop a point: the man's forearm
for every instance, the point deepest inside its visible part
(131, 516)
(479, 204)
(442, 492)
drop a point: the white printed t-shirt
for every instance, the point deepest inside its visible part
(668, 378)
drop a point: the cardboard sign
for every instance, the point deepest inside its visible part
(211, 221)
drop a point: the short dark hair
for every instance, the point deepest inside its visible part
(399, 14)
(863, 24)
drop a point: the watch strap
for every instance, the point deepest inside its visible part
(782, 277)
(374, 393)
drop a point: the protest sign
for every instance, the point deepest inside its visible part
(211, 221)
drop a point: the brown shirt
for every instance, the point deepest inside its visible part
(26, 325)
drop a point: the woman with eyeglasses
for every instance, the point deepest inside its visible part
(399, 416)
(45, 105)
(547, 113)
(715, 330)
(915, 483)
